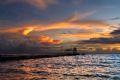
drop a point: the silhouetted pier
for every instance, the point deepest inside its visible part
(23, 57)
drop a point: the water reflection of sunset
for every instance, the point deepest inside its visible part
(86, 67)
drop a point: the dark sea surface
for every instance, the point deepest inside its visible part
(87, 67)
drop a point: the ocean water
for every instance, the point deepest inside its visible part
(87, 67)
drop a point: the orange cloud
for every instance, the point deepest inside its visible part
(82, 36)
(26, 31)
(48, 40)
(94, 29)
(94, 26)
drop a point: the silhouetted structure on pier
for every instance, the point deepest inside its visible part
(75, 50)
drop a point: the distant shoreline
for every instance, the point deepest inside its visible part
(8, 57)
(24, 57)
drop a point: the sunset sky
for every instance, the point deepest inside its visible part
(53, 22)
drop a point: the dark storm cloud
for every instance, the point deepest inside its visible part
(17, 43)
(114, 40)
(116, 32)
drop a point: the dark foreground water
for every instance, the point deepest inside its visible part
(88, 67)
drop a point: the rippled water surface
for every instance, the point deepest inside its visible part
(87, 67)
